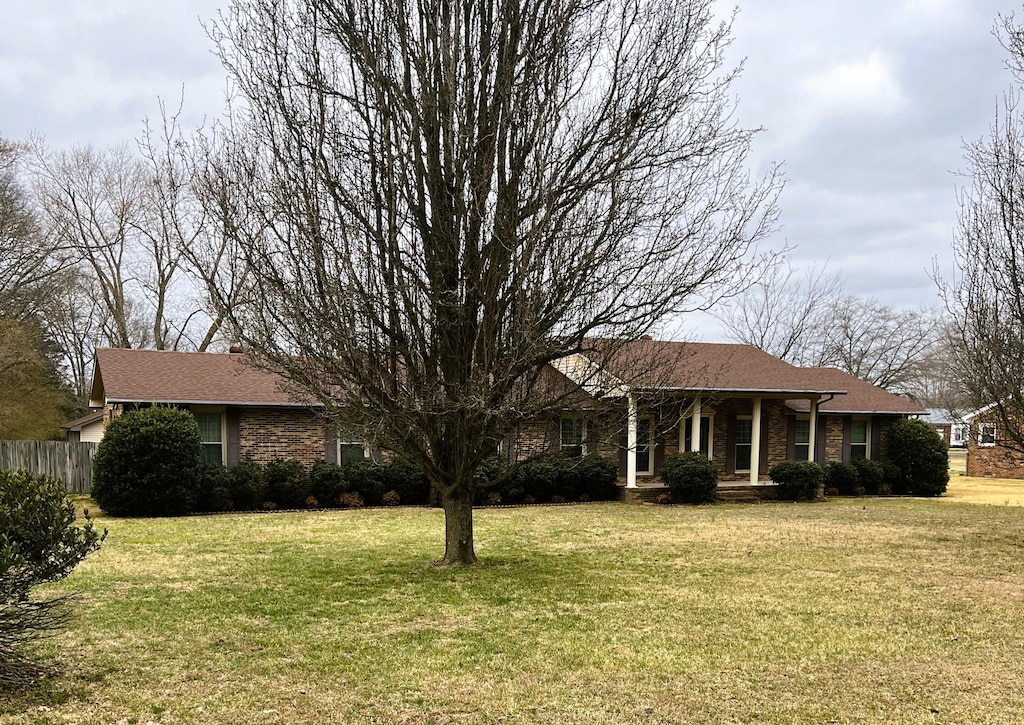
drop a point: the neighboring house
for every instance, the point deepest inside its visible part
(953, 430)
(87, 429)
(987, 453)
(750, 409)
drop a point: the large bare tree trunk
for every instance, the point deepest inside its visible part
(458, 527)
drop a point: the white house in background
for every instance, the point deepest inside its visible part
(87, 429)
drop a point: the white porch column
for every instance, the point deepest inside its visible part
(755, 441)
(631, 426)
(695, 426)
(812, 430)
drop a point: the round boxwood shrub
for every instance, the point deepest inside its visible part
(920, 456)
(364, 480)
(798, 480)
(691, 476)
(214, 492)
(327, 483)
(871, 474)
(595, 478)
(406, 479)
(247, 485)
(149, 463)
(287, 484)
(844, 477)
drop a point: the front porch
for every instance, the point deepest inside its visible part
(728, 492)
(744, 435)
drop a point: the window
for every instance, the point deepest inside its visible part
(572, 436)
(350, 448)
(211, 431)
(987, 434)
(802, 447)
(958, 435)
(859, 431)
(644, 447)
(705, 435)
(744, 438)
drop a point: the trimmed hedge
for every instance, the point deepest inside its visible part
(798, 480)
(149, 463)
(691, 477)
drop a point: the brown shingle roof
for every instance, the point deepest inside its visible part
(79, 423)
(861, 397)
(164, 376)
(702, 366)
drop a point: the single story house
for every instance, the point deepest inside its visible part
(751, 410)
(987, 451)
(953, 430)
(87, 429)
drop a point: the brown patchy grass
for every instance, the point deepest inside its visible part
(992, 491)
(852, 611)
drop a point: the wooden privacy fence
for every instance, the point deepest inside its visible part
(67, 462)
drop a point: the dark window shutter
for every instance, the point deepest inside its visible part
(730, 444)
(876, 438)
(330, 445)
(231, 418)
(819, 435)
(659, 454)
(847, 426)
(790, 437)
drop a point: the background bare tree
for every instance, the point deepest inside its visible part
(443, 197)
(27, 259)
(786, 312)
(986, 296)
(807, 319)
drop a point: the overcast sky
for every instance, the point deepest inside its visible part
(867, 103)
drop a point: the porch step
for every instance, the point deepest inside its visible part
(744, 494)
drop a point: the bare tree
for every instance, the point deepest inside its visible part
(26, 258)
(786, 312)
(886, 347)
(807, 319)
(986, 296)
(441, 198)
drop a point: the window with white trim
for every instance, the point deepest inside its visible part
(958, 434)
(211, 432)
(350, 448)
(645, 445)
(573, 431)
(860, 437)
(744, 441)
(986, 434)
(802, 439)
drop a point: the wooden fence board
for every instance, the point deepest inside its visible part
(65, 461)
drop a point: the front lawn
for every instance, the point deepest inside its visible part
(855, 610)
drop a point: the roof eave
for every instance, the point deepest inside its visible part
(240, 403)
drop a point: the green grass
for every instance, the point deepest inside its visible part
(858, 610)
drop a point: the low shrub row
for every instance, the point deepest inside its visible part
(555, 478)
(287, 484)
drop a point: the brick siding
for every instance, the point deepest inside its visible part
(267, 434)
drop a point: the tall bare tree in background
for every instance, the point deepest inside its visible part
(986, 297)
(440, 198)
(807, 319)
(27, 257)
